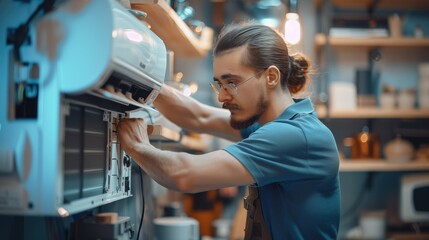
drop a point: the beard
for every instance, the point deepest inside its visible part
(236, 124)
(245, 123)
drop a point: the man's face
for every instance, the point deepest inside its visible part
(249, 102)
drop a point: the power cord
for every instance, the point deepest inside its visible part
(143, 204)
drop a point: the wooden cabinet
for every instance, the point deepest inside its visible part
(175, 33)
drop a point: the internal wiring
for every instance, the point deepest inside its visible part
(20, 93)
(118, 186)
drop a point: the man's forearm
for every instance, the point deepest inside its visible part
(192, 115)
(180, 109)
(165, 167)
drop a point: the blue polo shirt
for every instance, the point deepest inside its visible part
(294, 160)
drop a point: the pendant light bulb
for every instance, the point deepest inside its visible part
(292, 28)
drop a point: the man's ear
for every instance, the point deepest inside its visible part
(273, 76)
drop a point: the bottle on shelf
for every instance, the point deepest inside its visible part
(365, 145)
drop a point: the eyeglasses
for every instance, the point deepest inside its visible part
(231, 88)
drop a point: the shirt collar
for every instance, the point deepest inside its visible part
(300, 106)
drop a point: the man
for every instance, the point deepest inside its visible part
(286, 155)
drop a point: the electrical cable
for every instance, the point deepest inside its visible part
(143, 204)
(21, 32)
(150, 115)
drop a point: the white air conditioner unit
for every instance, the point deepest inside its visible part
(88, 64)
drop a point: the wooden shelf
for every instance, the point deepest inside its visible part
(171, 139)
(362, 165)
(177, 36)
(382, 4)
(187, 143)
(320, 41)
(373, 113)
(408, 236)
(161, 133)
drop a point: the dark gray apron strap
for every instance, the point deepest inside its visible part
(255, 225)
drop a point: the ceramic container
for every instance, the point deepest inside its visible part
(398, 150)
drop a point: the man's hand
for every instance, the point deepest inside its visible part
(132, 133)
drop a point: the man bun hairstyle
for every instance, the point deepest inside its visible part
(299, 73)
(265, 47)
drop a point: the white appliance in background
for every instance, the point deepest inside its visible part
(177, 228)
(86, 65)
(414, 198)
(342, 96)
